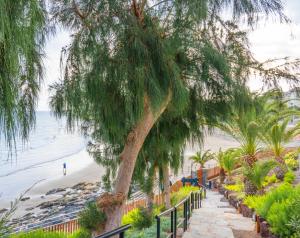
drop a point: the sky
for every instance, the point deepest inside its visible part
(270, 39)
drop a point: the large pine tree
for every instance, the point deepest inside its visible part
(131, 60)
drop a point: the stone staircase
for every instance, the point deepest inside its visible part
(217, 219)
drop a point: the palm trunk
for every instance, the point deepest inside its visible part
(113, 204)
(281, 169)
(250, 188)
(222, 175)
(166, 182)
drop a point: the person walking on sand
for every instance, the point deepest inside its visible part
(65, 169)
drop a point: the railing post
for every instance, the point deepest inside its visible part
(185, 216)
(192, 198)
(200, 200)
(175, 222)
(189, 208)
(121, 235)
(172, 225)
(157, 227)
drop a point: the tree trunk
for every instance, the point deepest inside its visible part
(249, 187)
(150, 196)
(113, 204)
(281, 169)
(222, 175)
(166, 182)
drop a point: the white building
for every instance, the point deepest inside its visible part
(293, 101)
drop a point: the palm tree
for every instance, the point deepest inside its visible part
(276, 134)
(229, 161)
(201, 157)
(256, 175)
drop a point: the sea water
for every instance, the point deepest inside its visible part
(41, 157)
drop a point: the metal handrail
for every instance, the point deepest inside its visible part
(119, 231)
(192, 201)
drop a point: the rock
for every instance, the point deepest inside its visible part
(246, 211)
(55, 190)
(29, 208)
(24, 199)
(3, 210)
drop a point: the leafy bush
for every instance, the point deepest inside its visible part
(81, 234)
(150, 232)
(45, 234)
(258, 172)
(289, 177)
(183, 192)
(139, 218)
(235, 188)
(270, 179)
(280, 207)
(39, 234)
(291, 160)
(91, 218)
(292, 164)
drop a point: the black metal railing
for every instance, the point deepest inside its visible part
(119, 231)
(192, 201)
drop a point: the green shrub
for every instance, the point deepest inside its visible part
(254, 202)
(289, 177)
(45, 234)
(139, 218)
(150, 232)
(81, 234)
(235, 188)
(280, 207)
(292, 164)
(91, 218)
(183, 192)
(39, 234)
(291, 160)
(270, 180)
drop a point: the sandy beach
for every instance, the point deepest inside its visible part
(92, 173)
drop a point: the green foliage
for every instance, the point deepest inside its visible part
(45, 234)
(276, 132)
(254, 202)
(239, 187)
(202, 157)
(270, 180)
(291, 160)
(91, 218)
(81, 233)
(289, 177)
(183, 192)
(151, 231)
(40, 234)
(292, 164)
(230, 159)
(139, 218)
(164, 55)
(258, 172)
(279, 207)
(22, 37)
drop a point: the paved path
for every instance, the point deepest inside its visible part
(216, 219)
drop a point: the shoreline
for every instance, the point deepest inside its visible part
(91, 173)
(65, 196)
